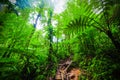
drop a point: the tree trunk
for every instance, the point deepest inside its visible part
(114, 40)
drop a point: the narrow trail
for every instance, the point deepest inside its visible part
(65, 72)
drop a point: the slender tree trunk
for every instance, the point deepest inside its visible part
(114, 40)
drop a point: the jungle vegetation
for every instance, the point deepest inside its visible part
(87, 32)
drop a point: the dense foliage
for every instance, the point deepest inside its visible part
(88, 31)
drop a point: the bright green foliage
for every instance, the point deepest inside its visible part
(88, 32)
(93, 37)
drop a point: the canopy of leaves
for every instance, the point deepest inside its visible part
(87, 32)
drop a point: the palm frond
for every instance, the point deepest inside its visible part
(100, 19)
(83, 22)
